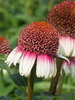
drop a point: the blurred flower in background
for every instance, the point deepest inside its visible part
(62, 17)
(5, 48)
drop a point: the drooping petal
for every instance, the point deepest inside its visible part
(65, 46)
(73, 54)
(72, 66)
(21, 71)
(26, 63)
(11, 57)
(17, 56)
(63, 57)
(54, 67)
(73, 70)
(66, 68)
(45, 67)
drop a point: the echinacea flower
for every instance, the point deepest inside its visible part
(4, 49)
(37, 42)
(62, 17)
(4, 46)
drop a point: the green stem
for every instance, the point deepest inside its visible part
(31, 84)
(61, 81)
(54, 81)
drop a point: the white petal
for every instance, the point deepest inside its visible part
(63, 57)
(17, 56)
(21, 71)
(55, 68)
(72, 66)
(73, 54)
(11, 57)
(66, 68)
(44, 68)
(27, 64)
(65, 46)
(4, 71)
(11, 54)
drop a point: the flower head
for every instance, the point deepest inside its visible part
(4, 46)
(37, 41)
(62, 17)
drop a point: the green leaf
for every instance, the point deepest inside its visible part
(18, 80)
(3, 65)
(3, 98)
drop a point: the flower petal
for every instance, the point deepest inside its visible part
(17, 56)
(44, 68)
(65, 46)
(26, 64)
(73, 69)
(11, 57)
(73, 54)
(65, 67)
(63, 57)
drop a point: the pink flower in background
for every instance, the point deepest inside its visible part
(37, 42)
(4, 46)
(62, 17)
(4, 49)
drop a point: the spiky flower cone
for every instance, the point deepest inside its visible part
(4, 46)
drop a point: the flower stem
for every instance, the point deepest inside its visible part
(31, 84)
(61, 80)
(54, 81)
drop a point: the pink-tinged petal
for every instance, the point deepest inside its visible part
(65, 46)
(44, 68)
(66, 67)
(11, 56)
(73, 69)
(17, 56)
(27, 64)
(21, 71)
(54, 67)
(72, 66)
(73, 54)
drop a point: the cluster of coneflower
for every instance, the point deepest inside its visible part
(43, 45)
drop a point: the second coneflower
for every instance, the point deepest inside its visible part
(5, 48)
(62, 17)
(37, 42)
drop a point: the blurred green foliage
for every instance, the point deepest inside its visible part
(14, 16)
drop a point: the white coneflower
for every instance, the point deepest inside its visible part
(37, 41)
(4, 49)
(62, 17)
(4, 46)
